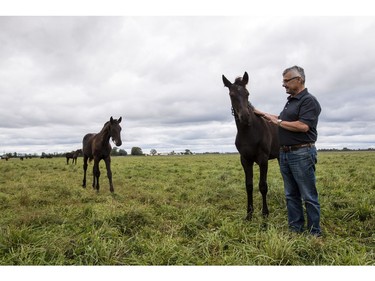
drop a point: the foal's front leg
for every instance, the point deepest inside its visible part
(263, 187)
(248, 169)
(96, 174)
(109, 172)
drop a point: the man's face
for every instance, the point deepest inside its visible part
(292, 83)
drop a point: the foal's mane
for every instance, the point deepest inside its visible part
(105, 127)
(238, 82)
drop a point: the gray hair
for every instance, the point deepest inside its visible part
(299, 71)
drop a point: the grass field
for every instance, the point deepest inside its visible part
(179, 210)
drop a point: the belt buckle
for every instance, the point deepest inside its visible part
(286, 148)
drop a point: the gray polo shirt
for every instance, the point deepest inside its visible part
(303, 107)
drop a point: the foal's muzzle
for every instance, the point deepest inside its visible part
(117, 142)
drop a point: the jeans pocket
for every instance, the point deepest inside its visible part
(307, 157)
(314, 158)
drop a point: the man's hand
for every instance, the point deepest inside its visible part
(271, 118)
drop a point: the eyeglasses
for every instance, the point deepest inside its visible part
(288, 80)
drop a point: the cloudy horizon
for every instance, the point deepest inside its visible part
(63, 77)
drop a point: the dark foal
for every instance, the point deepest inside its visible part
(76, 154)
(97, 147)
(256, 140)
(73, 155)
(69, 155)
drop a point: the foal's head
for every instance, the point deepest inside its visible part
(239, 96)
(115, 130)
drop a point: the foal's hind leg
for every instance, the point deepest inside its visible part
(84, 170)
(109, 173)
(263, 187)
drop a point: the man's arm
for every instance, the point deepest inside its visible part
(294, 126)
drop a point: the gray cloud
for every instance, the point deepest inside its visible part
(62, 77)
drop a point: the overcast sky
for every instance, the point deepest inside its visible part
(63, 77)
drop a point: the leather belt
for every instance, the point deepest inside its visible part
(289, 148)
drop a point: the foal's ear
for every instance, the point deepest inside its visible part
(111, 120)
(227, 83)
(245, 78)
(119, 120)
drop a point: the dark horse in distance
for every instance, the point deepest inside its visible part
(73, 155)
(256, 140)
(97, 147)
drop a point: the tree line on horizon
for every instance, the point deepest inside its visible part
(137, 151)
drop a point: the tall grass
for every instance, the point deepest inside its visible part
(179, 210)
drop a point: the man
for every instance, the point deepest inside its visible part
(297, 134)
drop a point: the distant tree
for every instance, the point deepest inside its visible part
(136, 151)
(118, 152)
(122, 152)
(114, 151)
(153, 151)
(188, 152)
(172, 153)
(45, 155)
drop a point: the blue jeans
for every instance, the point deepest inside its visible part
(298, 171)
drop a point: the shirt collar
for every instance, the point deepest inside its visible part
(299, 96)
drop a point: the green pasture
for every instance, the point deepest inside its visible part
(179, 210)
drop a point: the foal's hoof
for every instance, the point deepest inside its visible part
(265, 215)
(249, 217)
